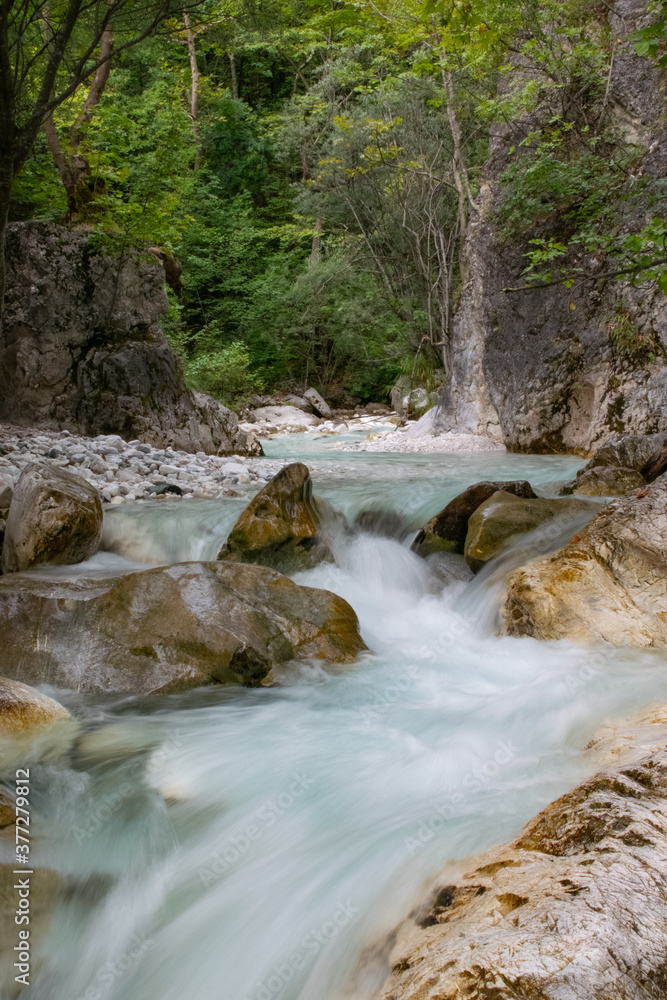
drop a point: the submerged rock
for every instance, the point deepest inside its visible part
(573, 909)
(447, 530)
(169, 628)
(606, 481)
(55, 516)
(281, 526)
(503, 516)
(607, 584)
(24, 711)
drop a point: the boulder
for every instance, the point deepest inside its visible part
(81, 347)
(446, 532)
(55, 516)
(656, 465)
(418, 402)
(7, 808)
(284, 416)
(169, 628)
(606, 481)
(281, 526)
(606, 585)
(320, 406)
(629, 451)
(503, 516)
(24, 711)
(573, 909)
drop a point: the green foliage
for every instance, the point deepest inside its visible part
(225, 374)
(629, 343)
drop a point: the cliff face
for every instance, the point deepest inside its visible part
(82, 348)
(539, 369)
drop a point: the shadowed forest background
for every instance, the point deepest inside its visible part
(315, 166)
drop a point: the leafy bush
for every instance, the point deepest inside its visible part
(225, 374)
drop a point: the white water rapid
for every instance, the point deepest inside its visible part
(233, 844)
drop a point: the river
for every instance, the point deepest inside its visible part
(233, 844)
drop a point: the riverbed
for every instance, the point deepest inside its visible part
(234, 844)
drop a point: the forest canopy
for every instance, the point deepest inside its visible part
(314, 166)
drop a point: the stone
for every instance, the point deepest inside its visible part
(281, 526)
(503, 516)
(629, 451)
(573, 909)
(285, 416)
(55, 516)
(399, 394)
(6, 494)
(447, 530)
(418, 403)
(320, 407)
(24, 711)
(169, 628)
(7, 808)
(606, 585)
(656, 464)
(606, 481)
(82, 349)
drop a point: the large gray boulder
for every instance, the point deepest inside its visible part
(169, 628)
(55, 516)
(320, 406)
(606, 585)
(82, 349)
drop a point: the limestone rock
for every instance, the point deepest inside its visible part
(169, 628)
(503, 516)
(55, 516)
(24, 711)
(284, 416)
(573, 909)
(447, 530)
(81, 347)
(629, 451)
(606, 481)
(281, 526)
(607, 584)
(7, 808)
(320, 407)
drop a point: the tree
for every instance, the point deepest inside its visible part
(48, 48)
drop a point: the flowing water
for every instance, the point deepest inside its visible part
(233, 844)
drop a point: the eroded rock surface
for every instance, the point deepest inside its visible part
(573, 909)
(82, 348)
(606, 481)
(607, 584)
(447, 530)
(54, 516)
(503, 516)
(281, 526)
(169, 628)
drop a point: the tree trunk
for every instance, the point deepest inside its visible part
(194, 89)
(315, 247)
(235, 85)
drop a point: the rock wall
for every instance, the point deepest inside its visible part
(538, 370)
(82, 348)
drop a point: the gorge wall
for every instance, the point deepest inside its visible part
(82, 348)
(538, 369)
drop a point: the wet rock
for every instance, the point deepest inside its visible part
(607, 584)
(281, 526)
(383, 523)
(169, 628)
(55, 516)
(573, 909)
(320, 407)
(24, 711)
(447, 530)
(503, 516)
(656, 465)
(7, 808)
(418, 402)
(606, 481)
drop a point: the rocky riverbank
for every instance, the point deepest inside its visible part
(131, 470)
